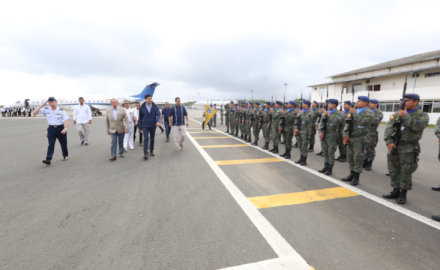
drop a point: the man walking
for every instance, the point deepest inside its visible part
(228, 108)
(82, 118)
(132, 120)
(234, 120)
(149, 120)
(58, 123)
(165, 116)
(117, 127)
(136, 114)
(248, 118)
(178, 114)
(373, 135)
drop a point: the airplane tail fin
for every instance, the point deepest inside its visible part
(148, 90)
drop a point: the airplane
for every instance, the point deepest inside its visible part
(96, 104)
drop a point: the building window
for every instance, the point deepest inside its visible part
(427, 106)
(357, 87)
(376, 87)
(432, 74)
(382, 107)
(396, 106)
(436, 107)
(389, 106)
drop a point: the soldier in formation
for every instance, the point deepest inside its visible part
(289, 119)
(302, 130)
(373, 135)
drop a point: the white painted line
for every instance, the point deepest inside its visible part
(272, 236)
(285, 263)
(370, 196)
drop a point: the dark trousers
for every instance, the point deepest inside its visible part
(167, 128)
(117, 138)
(52, 135)
(209, 125)
(140, 134)
(149, 133)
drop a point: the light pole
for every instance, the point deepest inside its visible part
(285, 92)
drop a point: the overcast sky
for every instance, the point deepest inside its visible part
(220, 49)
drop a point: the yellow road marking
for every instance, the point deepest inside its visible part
(248, 161)
(212, 137)
(301, 197)
(225, 145)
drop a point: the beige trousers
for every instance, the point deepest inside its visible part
(178, 135)
(83, 130)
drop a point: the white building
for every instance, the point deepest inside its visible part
(200, 105)
(385, 81)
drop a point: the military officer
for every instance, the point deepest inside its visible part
(342, 147)
(276, 114)
(265, 126)
(373, 135)
(356, 137)
(214, 117)
(235, 119)
(299, 109)
(242, 119)
(437, 188)
(321, 113)
(281, 137)
(302, 129)
(58, 123)
(256, 113)
(221, 114)
(403, 162)
(248, 115)
(289, 121)
(313, 128)
(227, 113)
(332, 122)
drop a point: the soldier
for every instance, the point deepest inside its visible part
(437, 188)
(285, 107)
(227, 113)
(232, 122)
(242, 120)
(403, 162)
(355, 137)
(265, 126)
(276, 114)
(256, 113)
(373, 135)
(249, 115)
(302, 129)
(221, 114)
(296, 143)
(289, 120)
(313, 128)
(342, 147)
(214, 121)
(235, 119)
(330, 125)
(321, 112)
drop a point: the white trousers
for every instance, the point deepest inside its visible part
(128, 138)
(83, 131)
(178, 135)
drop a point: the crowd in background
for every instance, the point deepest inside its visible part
(17, 111)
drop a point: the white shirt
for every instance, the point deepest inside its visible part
(130, 114)
(3, 109)
(136, 113)
(82, 114)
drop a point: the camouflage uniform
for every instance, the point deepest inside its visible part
(227, 114)
(221, 115)
(265, 126)
(316, 113)
(214, 118)
(342, 147)
(233, 120)
(373, 135)
(304, 131)
(289, 120)
(357, 146)
(276, 113)
(403, 164)
(437, 132)
(242, 122)
(335, 124)
(256, 122)
(249, 114)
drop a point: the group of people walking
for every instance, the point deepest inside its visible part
(16, 111)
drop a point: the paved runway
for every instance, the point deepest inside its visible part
(207, 207)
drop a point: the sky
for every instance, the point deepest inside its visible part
(200, 50)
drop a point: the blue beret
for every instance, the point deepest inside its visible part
(412, 96)
(375, 101)
(292, 102)
(347, 102)
(267, 102)
(273, 103)
(364, 98)
(236, 104)
(306, 102)
(51, 99)
(316, 102)
(326, 100)
(300, 102)
(242, 102)
(333, 101)
(250, 103)
(257, 103)
(280, 103)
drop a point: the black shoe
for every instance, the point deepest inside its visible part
(343, 158)
(300, 160)
(227, 131)
(338, 158)
(318, 154)
(330, 170)
(245, 138)
(350, 177)
(311, 148)
(82, 142)
(393, 194)
(437, 188)
(436, 218)
(304, 161)
(324, 169)
(47, 161)
(265, 146)
(295, 145)
(145, 156)
(355, 180)
(86, 143)
(364, 165)
(236, 134)
(369, 164)
(288, 154)
(285, 153)
(271, 150)
(387, 174)
(275, 150)
(402, 197)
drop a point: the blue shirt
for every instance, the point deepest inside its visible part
(266, 109)
(332, 111)
(304, 110)
(55, 118)
(411, 111)
(361, 110)
(346, 111)
(148, 107)
(177, 114)
(289, 109)
(166, 113)
(373, 109)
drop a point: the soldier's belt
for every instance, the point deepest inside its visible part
(358, 136)
(402, 143)
(330, 131)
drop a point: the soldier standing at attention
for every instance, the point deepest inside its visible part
(373, 135)
(227, 113)
(265, 125)
(302, 129)
(299, 109)
(403, 162)
(249, 114)
(241, 120)
(289, 120)
(321, 113)
(356, 138)
(313, 128)
(342, 147)
(276, 114)
(58, 123)
(235, 120)
(256, 112)
(214, 117)
(437, 188)
(221, 114)
(330, 125)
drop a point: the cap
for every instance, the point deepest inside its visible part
(126, 102)
(250, 103)
(375, 101)
(51, 99)
(280, 103)
(292, 102)
(236, 104)
(333, 101)
(257, 103)
(306, 102)
(316, 102)
(326, 100)
(267, 102)
(412, 96)
(348, 102)
(364, 98)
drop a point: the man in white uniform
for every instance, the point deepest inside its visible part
(128, 139)
(136, 114)
(82, 118)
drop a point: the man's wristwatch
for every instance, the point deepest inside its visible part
(65, 129)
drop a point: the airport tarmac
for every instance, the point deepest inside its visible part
(219, 203)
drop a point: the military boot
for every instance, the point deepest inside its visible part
(285, 153)
(343, 158)
(330, 170)
(236, 134)
(364, 165)
(369, 164)
(300, 160)
(320, 153)
(249, 139)
(355, 180)
(324, 169)
(256, 143)
(402, 197)
(349, 178)
(227, 131)
(288, 154)
(271, 150)
(304, 161)
(295, 145)
(265, 146)
(275, 150)
(393, 194)
(338, 158)
(311, 148)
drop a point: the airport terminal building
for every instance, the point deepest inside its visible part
(385, 81)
